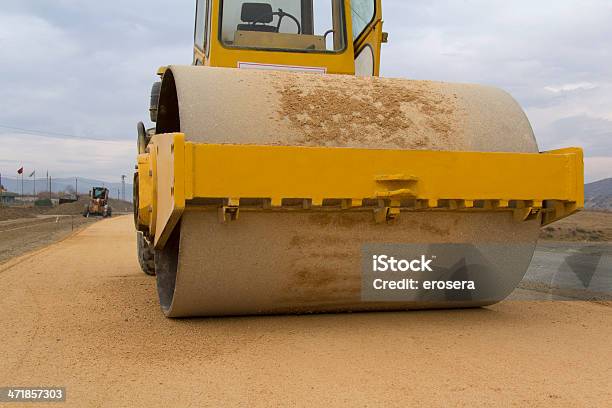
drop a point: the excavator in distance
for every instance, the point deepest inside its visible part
(280, 158)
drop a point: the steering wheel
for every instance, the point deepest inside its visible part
(281, 14)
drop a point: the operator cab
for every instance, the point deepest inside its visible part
(325, 36)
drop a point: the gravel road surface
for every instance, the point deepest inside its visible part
(22, 235)
(80, 314)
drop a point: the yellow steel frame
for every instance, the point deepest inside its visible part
(176, 175)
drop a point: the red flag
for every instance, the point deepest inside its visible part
(20, 171)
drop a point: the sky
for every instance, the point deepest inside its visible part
(75, 75)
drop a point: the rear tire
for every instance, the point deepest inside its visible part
(146, 255)
(155, 92)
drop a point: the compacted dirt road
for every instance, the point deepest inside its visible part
(80, 314)
(22, 235)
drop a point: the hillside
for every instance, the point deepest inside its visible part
(586, 226)
(598, 195)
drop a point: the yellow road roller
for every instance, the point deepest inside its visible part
(281, 166)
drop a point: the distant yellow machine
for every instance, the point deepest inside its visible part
(98, 203)
(279, 155)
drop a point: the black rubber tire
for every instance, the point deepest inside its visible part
(155, 91)
(146, 255)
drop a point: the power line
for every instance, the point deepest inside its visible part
(56, 134)
(40, 131)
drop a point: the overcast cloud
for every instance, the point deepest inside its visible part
(75, 68)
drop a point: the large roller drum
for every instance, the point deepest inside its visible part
(311, 261)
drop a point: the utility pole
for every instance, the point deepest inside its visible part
(123, 177)
(76, 187)
(118, 194)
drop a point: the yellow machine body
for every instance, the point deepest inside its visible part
(254, 172)
(187, 175)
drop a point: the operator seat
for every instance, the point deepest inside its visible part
(253, 13)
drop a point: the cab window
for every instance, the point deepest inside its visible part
(302, 25)
(99, 193)
(200, 25)
(362, 13)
